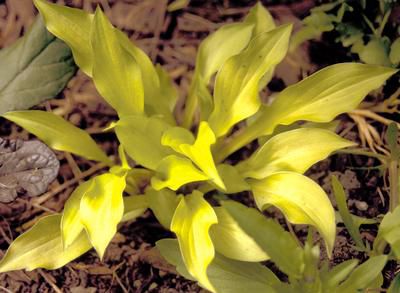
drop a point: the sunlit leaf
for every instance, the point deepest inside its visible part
(182, 141)
(300, 199)
(73, 27)
(116, 74)
(261, 18)
(58, 133)
(163, 203)
(361, 277)
(295, 150)
(230, 240)
(141, 138)
(322, 96)
(42, 247)
(236, 86)
(218, 47)
(191, 223)
(175, 171)
(101, 209)
(226, 275)
(270, 236)
(71, 225)
(134, 206)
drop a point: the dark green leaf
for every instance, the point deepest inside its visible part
(35, 68)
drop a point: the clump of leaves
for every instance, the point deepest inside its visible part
(360, 25)
(221, 245)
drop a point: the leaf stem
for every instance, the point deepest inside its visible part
(394, 184)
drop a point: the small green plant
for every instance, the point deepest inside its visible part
(352, 21)
(218, 246)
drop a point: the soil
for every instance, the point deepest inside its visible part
(130, 264)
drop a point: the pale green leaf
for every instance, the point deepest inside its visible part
(169, 92)
(322, 96)
(294, 150)
(191, 223)
(71, 225)
(174, 171)
(73, 27)
(300, 199)
(261, 18)
(230, 240)
(33, 69)
(116, 74)
(394, 55)
(101, 209)
(361, 277)
(177, 5)
(389, 232)
(233, 181)
(218, 47)
(332, 278)
(182, 141)
(375, 53)
(347, 218)
(225, 274)
(42, 247)
(395, 285)
(236, 85)
(163, 203)
(141, 138)
(58, 133)
(134, 206)
(270, 236)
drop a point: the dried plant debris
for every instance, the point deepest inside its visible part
(26, 167)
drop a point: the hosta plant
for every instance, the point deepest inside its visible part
(171, 167)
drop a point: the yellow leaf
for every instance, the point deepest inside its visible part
(73, 27)
(42, 247)
(300, 199)
(233, 181)
(236, 85)
(182, 141)
(101, 209)
(175, 171)
(295, 150)
(141, 139)
(322, 96)
(191, 222)
(58, 133)
(261, 18)
(116, 74)
(231, 241)
(71, 225)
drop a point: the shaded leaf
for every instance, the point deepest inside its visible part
(141, 138)
(25, 167)
(361, 277)
(226, 275)
(58, 133)
(394, 55)
(41, 247)
(395, 285)
(236, 85)
(375, 53)
(134, 206)
(191, 223)
(347, 218)
(101, 209)
(300, 199)
(230, 240)
(36, 68)
(389, 232)
(233, 181)
(270, 236)
(332, 278)
(163, 203)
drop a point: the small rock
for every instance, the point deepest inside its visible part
(361, 205)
